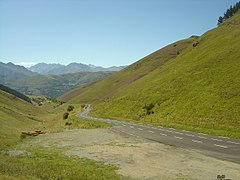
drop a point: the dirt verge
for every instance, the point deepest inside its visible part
(138, 158)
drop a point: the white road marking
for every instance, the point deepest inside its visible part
(196, 141)
(189, 135)
(220, 146)
(216, 139)
(201, 137)
(232, 142)
(178, 137)
(178, 133)
(224, 137)
(159, 128)
(140, 129)
(163, 134)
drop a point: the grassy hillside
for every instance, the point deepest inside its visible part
(16, 115)
(199, 89)
(103, 89)
(52, 85)
(14, 92)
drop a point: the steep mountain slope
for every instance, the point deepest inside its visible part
(198, 89)
(122, 79)
(52, 85)
(15, 93)
(12, 70)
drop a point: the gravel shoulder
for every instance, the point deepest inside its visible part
(137, 158)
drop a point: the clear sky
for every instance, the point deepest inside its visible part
(99, 32)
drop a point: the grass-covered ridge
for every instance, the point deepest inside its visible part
(16, 115)
(15, 93)
(198, 89)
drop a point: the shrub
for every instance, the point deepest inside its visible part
(70, 108)
(65, 115)
(83, 105)
(148, 107)
(68, 124)
(150, 112)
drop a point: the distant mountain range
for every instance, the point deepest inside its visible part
(52, 84)
(44, 68)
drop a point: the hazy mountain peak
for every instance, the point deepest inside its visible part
(44, 68)
(11, 70)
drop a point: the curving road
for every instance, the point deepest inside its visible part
(216, 146)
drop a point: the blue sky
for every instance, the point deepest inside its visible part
(99, 32)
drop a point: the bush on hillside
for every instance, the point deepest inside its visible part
(149, 106)
(83, 105)
(70, 108)
(68, 124)
(65, 115)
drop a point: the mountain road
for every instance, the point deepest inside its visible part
(224, 148)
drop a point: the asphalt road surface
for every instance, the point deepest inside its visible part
(224, 148)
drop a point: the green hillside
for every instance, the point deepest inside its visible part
(101, 90)
(15, 93)
(16, 115)
(195, 87)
